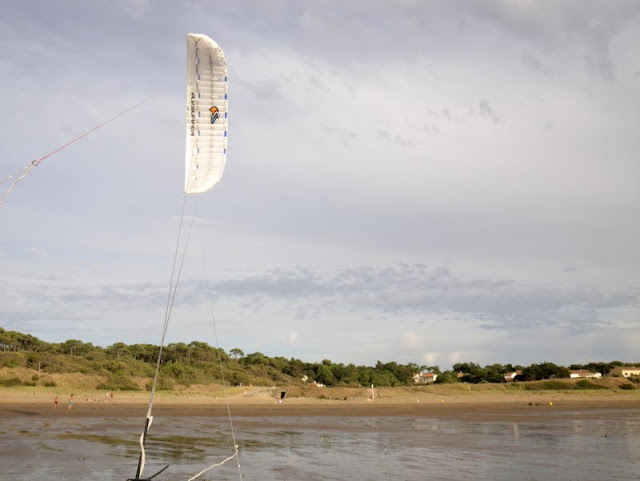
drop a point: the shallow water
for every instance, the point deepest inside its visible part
(570, 446)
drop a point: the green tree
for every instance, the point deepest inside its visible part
(236, 353)
(75, 347)
(325, 375)
(447, 377)
(117, 350)
(254, 358)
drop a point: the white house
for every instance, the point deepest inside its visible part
(630, 371)
(425, 377)
(583, 373)
(510, 376)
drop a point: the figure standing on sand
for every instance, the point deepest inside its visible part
(70, 403)
(55, 402)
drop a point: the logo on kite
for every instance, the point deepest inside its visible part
(215, 113)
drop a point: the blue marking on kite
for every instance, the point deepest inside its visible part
(215, 113)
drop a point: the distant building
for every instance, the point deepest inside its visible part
(424, 377)
(583, 373)
(630, 371)
(510, 376)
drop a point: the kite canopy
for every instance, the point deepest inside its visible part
(206, 152)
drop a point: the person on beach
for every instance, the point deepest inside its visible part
(55, 402)
(70, 403)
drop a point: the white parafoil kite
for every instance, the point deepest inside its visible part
(206, 114)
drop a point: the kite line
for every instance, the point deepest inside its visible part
(16, 178)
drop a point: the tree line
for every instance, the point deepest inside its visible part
(198, 363)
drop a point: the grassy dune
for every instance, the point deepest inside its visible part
(23, 380)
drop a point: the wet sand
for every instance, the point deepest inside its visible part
(549, 435)
(500, 406)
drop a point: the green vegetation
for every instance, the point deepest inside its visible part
(558, 385)
(131, 367)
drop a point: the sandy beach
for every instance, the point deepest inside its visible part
(262, 403)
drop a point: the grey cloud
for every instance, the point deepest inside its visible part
(486, 110)
(419, 288)
(346, 136)
(384, 134)
(264, 90)
(397, 139)
(446, 116)
(533, 62)
(580, 31)
(421, 30)
(408, 288)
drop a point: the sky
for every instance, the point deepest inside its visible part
(413, 181)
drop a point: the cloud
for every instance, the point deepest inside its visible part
(292, 338)
(454, 357)
(418, 288)
(430, 357)
(487, 110)
(411, 340)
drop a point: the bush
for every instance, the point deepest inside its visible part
(49, 384)
(515, 386)
(584, 384)
(548, 385)
(10, 382)
(35, 377)
(627, 386)
(13, 359)
(239, 379)
(118, 382)
(164, 384)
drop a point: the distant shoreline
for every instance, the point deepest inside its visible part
(486, 405)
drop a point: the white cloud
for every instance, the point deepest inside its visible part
(454, 357)
(292, 338)
(411, 340)
(430, 357)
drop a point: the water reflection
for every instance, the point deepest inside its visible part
(576, 446)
